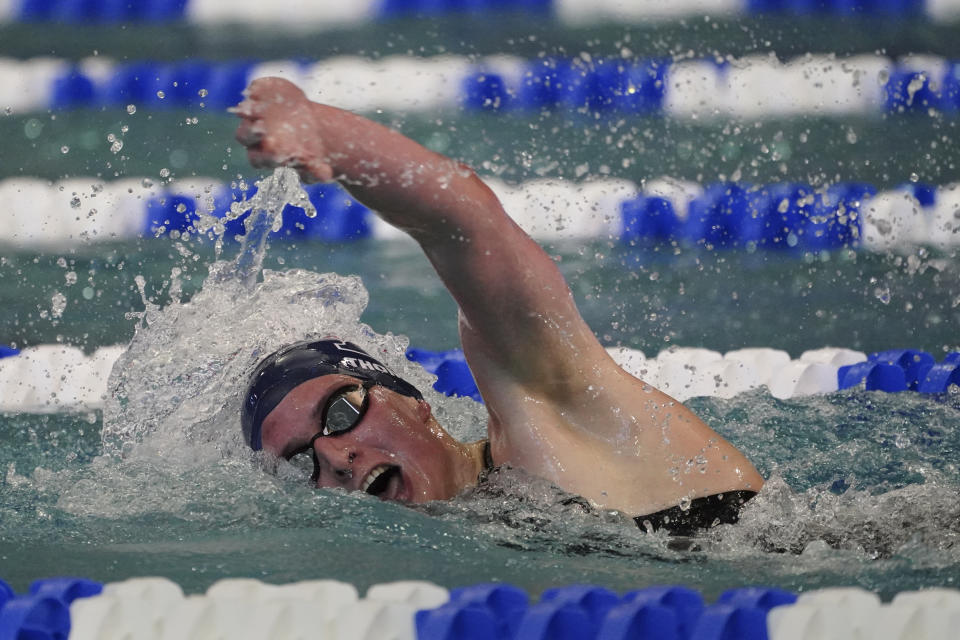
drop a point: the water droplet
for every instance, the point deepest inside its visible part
(161, 95)
(87, 293)
(116, 146)
(32, 128)
(58, 302)
(915, 84)
(914, 177)
(202, 93)
(64, 149)
(882, 294)
(131, 109)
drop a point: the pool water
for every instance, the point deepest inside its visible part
(646, 298)
(862, 491)
(862, 485)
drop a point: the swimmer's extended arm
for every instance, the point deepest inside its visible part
(559, 406)
(518, 316)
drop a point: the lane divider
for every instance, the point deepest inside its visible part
(686, 373)
(55, 378)
(247, 609)
(782, 216)
(60, 378)
(749, 87)
(565, 11)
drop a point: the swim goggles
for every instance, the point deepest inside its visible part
(343, 411)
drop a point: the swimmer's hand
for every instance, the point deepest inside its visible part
(279, 127)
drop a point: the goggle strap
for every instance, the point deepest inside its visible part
(313, 454)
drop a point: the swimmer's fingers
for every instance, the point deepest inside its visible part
(274, 88)
(261, 160)
(278, 128)
(251, 108)
(250, 133)
(264, 93)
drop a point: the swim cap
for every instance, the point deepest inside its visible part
(294, 364)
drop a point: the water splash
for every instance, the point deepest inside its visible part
(183, 375)
(266, 215)
(266, 206)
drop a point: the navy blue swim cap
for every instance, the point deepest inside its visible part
(294, 364)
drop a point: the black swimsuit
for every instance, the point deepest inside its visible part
(703, 513)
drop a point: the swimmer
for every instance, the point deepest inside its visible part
(558, 406)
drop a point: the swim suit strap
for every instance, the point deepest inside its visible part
(487, 456)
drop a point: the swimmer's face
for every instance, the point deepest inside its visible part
(395, 451)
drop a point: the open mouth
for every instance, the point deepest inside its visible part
(378, 480)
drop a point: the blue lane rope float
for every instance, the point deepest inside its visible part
(65, 589)
(28, 383)
(156, 85)
(45, 611)
(339, 217)
(392, 9)
(152, 11)
(603, 84)
(6, 352)
(875, 8)
(453, 374)
(890, 371)
(100, 11)
(902, 369)
(499, 611)
(776, 216)
(781, 216)
(6, 593)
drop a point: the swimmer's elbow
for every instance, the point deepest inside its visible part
(752, 479)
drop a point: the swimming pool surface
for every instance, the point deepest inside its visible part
(862, 485)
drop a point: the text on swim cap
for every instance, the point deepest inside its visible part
(357, 363)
